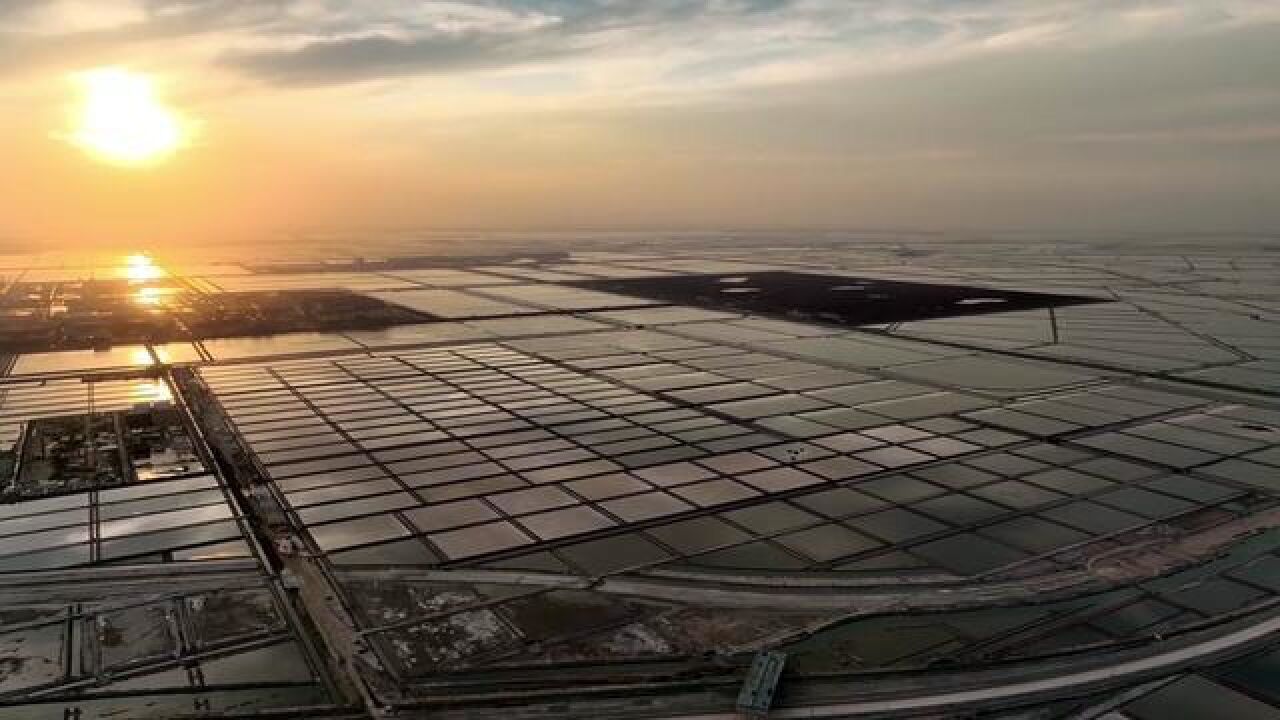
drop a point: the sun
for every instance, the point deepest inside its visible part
(120, 119)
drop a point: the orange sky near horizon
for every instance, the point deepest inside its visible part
(539, 114)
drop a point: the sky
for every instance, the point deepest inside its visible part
(1105, 115)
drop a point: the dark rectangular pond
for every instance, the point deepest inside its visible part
(830, 298)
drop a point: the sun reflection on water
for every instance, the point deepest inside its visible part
(140, 267)
(149, 391)
(140, 356)
(154, 297)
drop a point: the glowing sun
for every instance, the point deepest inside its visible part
(120, 119)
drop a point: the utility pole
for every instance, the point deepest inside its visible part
(90, 440)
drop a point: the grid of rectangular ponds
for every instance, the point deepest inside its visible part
(476, 627)
(1117, 458)
(232, 643)
(485, 453)
(185, 518)
(166, 653)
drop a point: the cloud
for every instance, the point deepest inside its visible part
(57, 17)
(700, 44)
(655, 45)
(670, 112)
(1213, 134)
(317, 44)
(383, 55)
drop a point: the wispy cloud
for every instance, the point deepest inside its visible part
(663, 44)
(1212, 135)
(1140, 113)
